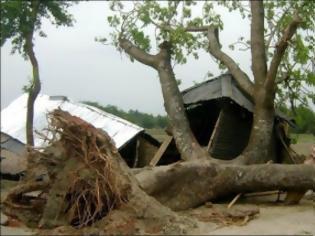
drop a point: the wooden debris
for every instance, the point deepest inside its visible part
(258, 194)
(234, 200)
(161, 151)
(214, 132)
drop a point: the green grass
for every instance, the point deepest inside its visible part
(303, 138)
(303, 143)
(159, 134)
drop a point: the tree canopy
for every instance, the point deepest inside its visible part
(19, 18)
(185, 25)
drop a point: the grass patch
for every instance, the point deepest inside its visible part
(159, 134)
(303, 138)
(303, 143)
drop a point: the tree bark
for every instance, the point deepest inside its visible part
(33, 92)
(259, 146)
(186, 142)
(189, 184)
(258, 51)
(35, 86)
(240, 76)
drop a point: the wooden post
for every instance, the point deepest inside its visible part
(161, 151)
(136, 160)
(214, 131)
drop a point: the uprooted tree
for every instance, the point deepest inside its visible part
(89, 183)
(84, 183)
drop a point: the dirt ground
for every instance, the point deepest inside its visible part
(273, 218)
(304, 143)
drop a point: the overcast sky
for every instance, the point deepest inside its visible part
(74, 65)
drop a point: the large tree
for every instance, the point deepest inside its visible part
(179, 34)
(19, 22)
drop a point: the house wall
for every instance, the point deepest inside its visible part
(233, 132)
(13, 155)
(139, 151)
(9, 143)
(146, 152)
(129, 151)
(202, 119)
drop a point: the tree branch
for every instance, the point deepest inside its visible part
(168, 27)
(286, 76)
(215, 50)
(259, 65)
(136, 52)
(280, 50)
(185, 140)
(274, 28)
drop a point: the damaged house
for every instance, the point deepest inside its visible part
(134, 145)
(220, 117)
(219, 113)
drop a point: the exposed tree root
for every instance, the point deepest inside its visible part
(82, 182)
(85, 182)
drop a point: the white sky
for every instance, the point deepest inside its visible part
(74, 65)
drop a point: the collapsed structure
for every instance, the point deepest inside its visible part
(134, 145)
(221, 117)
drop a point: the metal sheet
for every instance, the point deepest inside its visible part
(203, 92)
(220, 87)
(13, 119)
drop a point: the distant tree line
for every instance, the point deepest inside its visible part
(142, 119)
(304, 118)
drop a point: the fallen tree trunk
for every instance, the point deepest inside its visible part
(88, 183)
(188, 184)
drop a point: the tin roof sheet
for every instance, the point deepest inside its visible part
(220, 87)
(13, 119)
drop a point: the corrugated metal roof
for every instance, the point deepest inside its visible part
(13, 119)
(220, 87)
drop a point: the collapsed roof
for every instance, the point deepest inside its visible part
(13, 119)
